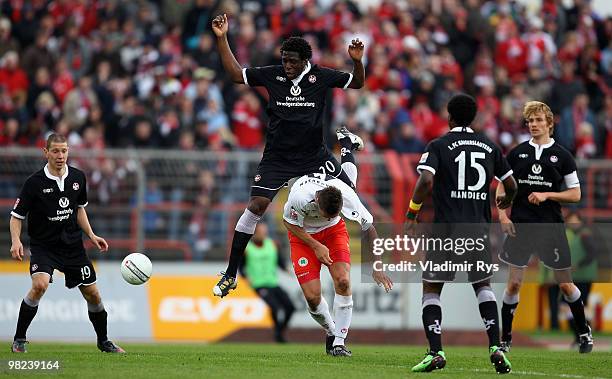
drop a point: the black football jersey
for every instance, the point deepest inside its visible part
(463, 163)
(540, 168)
(296, 107)
(50, 205)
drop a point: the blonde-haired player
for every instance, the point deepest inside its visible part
(546, 177)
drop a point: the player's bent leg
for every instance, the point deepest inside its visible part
(572, 296)
(28, 310)
(509, 304)
(349, 142)
(245, 227)
(432, 324)
(98, 317)
(487, 305)
(319, 309)
(343, 306)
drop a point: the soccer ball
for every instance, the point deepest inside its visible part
(136, 268)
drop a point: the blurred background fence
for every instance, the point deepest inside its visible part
(179, 205)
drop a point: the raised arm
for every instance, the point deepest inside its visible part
(355, 50)
(230, 64)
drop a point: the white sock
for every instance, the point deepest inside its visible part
(351, 171)
(323, 317)
(343, 312)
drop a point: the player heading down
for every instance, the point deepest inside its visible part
(318, 236)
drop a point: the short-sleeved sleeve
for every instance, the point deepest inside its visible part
(569, 171)
(336, 79)
(258, 76)
(82, 199)
(24, 202)
(429, 159)
(502, 169)
(293, 212)
(354, 210)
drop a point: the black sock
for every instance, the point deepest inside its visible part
(346, 152)
(574, 328)
(490, 317)
(26, 315)
(98, 319)
(239, 243)
(577, 308)
(432, 322)
(507, 315)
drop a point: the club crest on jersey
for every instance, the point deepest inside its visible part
(302, 262)
(536, 169)
(34, 267)
(424, 157)
(75, 186)
(257, 178)
(312, 78)
(295, 90)
(64, 202)
(293, 214)
(523, 155)
(554, 159)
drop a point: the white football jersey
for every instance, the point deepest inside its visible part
(302, 210)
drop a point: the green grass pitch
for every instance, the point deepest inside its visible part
(296, 361)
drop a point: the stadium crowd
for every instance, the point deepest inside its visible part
(146, 74)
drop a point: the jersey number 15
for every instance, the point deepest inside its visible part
(482, 174)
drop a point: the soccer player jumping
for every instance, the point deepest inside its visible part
(535, 226)
(459, 167)
(294, 136)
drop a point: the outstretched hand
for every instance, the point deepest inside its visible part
(220, 25)
(355, 49)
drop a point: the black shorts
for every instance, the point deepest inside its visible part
(463, 248)
(72, 261)
(546, 241)
(274, 172)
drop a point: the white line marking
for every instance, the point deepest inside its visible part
(533, 373)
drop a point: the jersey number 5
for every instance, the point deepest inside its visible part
(475, 165)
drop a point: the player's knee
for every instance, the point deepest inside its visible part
(343, 285)
(313, 300)
(513, 287)
(258, 205)
(39, 288)
(567, 288)
(92, 297)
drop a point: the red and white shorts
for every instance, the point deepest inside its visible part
(306, 265)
